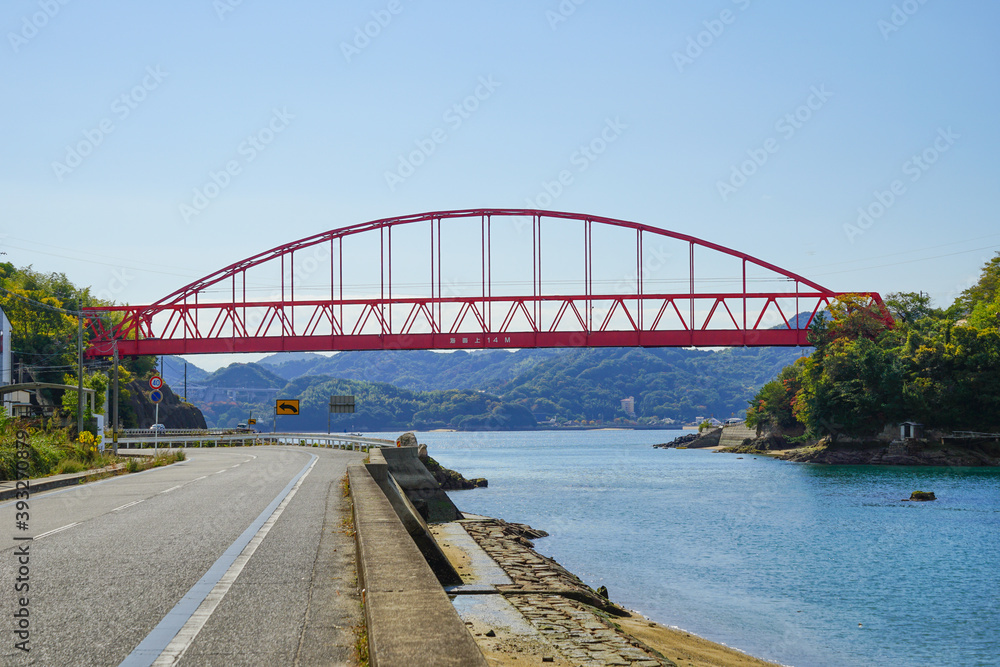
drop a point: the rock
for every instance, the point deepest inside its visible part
(708, 439)
(922, 495)
(408, 439)
(491, 633)
(603, 592)
(173, 413)
(966, 453)
(451, 480)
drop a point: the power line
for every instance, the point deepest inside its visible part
(909, 261)
(906, 252)
(74, 313)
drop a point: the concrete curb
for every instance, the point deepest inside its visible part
(409, 617)
(9, 489)
(386, 478)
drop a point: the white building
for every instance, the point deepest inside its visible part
(628, 405)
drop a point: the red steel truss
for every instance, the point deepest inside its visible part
(186, 323)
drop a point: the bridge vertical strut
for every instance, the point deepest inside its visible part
(638, 276)
(691, 288)
(744, 300)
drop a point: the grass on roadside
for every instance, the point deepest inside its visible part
(51, 450)
(361, 628)
(361, 639)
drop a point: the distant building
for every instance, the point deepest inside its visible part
(628, 405)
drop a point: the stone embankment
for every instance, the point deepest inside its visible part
(574, 619)
(529, 570)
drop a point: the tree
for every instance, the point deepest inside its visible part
(774, 405)
(986, 289)
(851, 316)
(96, 381)
(908, 307)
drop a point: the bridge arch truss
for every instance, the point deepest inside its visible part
(474, 279)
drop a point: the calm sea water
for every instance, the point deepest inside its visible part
(781, 560)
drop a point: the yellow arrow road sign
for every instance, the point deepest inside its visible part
(286, 406)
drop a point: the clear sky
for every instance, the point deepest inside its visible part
(767, 126)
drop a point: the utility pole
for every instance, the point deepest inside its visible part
(114, 409)
(185, 381)
(79, 364)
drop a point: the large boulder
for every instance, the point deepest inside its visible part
(408, 439)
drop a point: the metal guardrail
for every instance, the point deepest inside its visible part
(129, 432)
(973, 434)
(238, 439)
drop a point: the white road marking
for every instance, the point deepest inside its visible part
(90, 485)
(57, 530)
(172, 488)
(134, 502)
(167, 643)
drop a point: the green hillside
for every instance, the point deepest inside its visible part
(666, 383)
(383, 406)
(244, 375)
(467, 388)
(413, 369)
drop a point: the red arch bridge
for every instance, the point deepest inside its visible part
(473, 279)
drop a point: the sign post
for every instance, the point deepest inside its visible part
(339, 405)
(156, 396)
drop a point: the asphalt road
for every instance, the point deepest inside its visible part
(111, 560)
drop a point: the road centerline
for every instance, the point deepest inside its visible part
(57, 530)
(127, 505)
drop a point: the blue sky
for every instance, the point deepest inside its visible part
(831, 100)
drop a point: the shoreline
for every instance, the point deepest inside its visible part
(946, 452)
(528, 609)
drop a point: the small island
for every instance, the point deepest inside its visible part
(892, 383)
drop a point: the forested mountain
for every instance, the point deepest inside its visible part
(244, 376)
(666, 383)
(413, 369)
(581, 385)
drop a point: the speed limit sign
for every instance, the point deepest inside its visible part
(155, 382)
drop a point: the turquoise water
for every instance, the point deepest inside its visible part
(778, 559)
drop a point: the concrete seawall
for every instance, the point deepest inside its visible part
(733, 435)
(409, 617)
